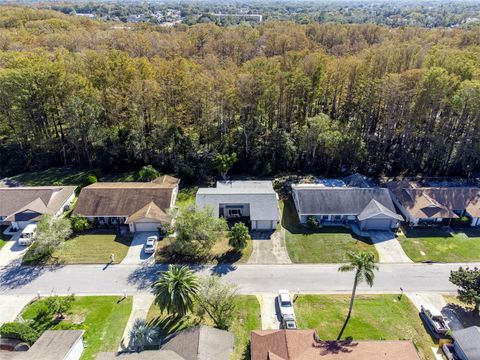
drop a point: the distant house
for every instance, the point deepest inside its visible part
(466, 344)
(20, 206)
(144, 355)
(305, 345)
(422, 204)
(254, 201)
(369, 208)
(143, 206)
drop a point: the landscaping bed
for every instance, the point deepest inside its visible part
(374, 317)
(436, 245)
(103, 317)
(324, 245)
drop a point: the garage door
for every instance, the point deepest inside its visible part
(146, 227)
(377, 224)
(264, 225)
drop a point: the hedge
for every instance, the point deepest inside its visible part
(20, 331)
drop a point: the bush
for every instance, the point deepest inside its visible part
(462, 221)
(148, 173)
(20, 331)
(89, 180)
(238, 236)
(312, 222)
(79, 223)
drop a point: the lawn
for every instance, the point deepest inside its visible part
(3, 238)
(247, 318)
(63, 176)
(440, 246)
(89, 248)
(374, 317)
(325, 245)
(104, 318)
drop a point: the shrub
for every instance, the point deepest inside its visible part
(238, 236)
(312, 222)
(89, 179)
(148, 173)
(462, 221)
(20, 331)
(79, 223)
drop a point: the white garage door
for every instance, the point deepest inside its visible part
(377, 224)
(146, 227)
(264, 225)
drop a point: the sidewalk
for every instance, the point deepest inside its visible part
(268, 311)
(140, 306)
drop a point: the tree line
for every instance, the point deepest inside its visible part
(283, 97)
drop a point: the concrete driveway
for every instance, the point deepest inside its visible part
(388, 248)
(136, 255)
(12, 305)
(12, 251)
(268, 311)
(269, 248)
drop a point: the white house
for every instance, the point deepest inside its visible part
(369, 208)
(143, 206)
(21, 206)
(255, 201)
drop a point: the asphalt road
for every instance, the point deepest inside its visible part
(98, 279)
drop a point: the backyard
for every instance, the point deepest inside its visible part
(374, 317)
(103, 317)
(324, 245)
(436, 245)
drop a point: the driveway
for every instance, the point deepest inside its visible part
(388, 248)
(269, 248)
(136, 255)
(12, 305)
(268, 311)
(11, 251)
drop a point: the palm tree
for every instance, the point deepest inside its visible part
(363, 263)
(141, 334)
(176, 290)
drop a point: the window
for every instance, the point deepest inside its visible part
(338, 217)
(234, 212)
(324, 217)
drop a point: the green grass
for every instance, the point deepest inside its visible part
(104, 318)
(3, 238)
(325, 245)
(464, 312)
(441, 246)
(374, 317)
(64, 176)
(186, 197)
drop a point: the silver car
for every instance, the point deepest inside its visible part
(150, 245)
(285, 304)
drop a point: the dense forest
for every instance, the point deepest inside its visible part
(284, 97)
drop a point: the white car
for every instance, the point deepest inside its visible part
(150, 245)
(288, 322)
(27, 237)
(285, 304)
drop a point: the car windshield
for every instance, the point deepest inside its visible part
(286, 303)
(291, 325)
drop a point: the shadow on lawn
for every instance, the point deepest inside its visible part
(467, 316)
(16, 275)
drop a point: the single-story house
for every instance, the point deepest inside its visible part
(422, 204)
(369, 208)
(305, 345)
(466, 344)
(255, 201)
(52, 345)
(20, 206)
(143, 206)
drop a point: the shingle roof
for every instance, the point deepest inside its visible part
(313, 200)
(358, 180)
(304, 345)
(149, 211)
(144, 355)
(201, 343)
(166, 180)
(240, 187)
(468, 340)
(377, 210)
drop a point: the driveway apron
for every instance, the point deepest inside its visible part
(269, 248)
(388, 247)
(12, 251)
(136, 255)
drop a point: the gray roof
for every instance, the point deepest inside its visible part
(144, 355)
(201, 343)
(376, 210)
(358, 180)
(313, 200)
(469, 341)
(240, 187)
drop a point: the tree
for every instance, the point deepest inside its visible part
(197, 231)
(363, 263)
(176, 289)
(60, 305)
(223, 163)
(89, 180)
(217, 299)
(468, 281)
(51, 232)
(238, 236)
(79, 223)
(148, 173)
(141, 334)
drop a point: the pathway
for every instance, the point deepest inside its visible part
(12, 252)
(136, 255)
(12, 305)
(388, 247)
(140, 306)
(269, 248)
(268, 311)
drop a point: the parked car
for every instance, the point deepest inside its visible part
(285, 304)
(28, 235)
(288, 322)
(150, 245)
(434, 319)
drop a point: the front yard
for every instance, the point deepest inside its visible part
(325, 245)
(374, 317)
(440, 246)
(92, 247)
(103, 317)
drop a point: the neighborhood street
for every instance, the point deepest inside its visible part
(251, 279)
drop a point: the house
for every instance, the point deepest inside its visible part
(424, 204)
(20, 206)
(253, 201)
(369, 208)
(200, 343)
(142, 206)
(466, 344)
(305, 345)
(52, 345)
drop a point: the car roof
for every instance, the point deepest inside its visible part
(285, 297)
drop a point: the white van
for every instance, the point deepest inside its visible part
(28, 235)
